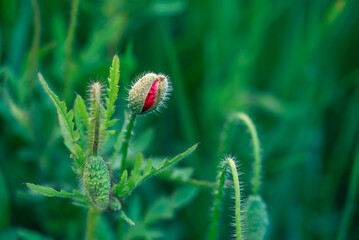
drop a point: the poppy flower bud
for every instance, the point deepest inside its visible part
(148, 93)
(257, 217)
(97, 181)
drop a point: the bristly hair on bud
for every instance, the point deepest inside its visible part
(148, 93)
(96, 123)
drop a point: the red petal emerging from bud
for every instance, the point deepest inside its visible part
(151, 97)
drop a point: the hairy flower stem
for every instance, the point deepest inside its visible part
(95, 118)
(213, 233)
(92, 215)
(126, 142)
(255, 143)
(256, 151)
(237, 193)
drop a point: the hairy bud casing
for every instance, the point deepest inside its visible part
(148, 93)
(97, 181)
(257, 218)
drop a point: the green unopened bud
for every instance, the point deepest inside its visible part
(115, 204)
(97, 181)
(257, 218)
(148, 93)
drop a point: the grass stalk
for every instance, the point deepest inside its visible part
(68, 46)
(351, 200)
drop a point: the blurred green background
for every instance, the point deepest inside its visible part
(293, 66)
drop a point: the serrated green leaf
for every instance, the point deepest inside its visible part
(131, 184)
(80, 107)
(136, 172)
(79, 121)
(148, 167)
(80, 157)
(113, 88)
(112, 122)
(166, 162)
(164, 207)
(65, 118)
(117, 188)
(50, 192)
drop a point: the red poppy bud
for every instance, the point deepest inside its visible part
(148, 93)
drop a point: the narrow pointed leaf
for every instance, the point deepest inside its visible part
(80, 108)
(113, 89)
(117, 188)
(126, 219)
(131, 184)
(65, 118)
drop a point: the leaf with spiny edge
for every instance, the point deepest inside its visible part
(135, 180)
(65, 118)
(81, 119)
(50, 192)
(112, 90)
(117, 188)
(80, 157)
(148, 167)
(82, 110)
(136, 172)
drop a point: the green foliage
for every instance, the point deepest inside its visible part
(4, 203)
(217, 202)
(255, 144)
(97, 183)
(65, 118)
(163, 208)
(112, 90)
(291, 66)
(256, 218)
(237, 198)
(50, 192)
(124, 189)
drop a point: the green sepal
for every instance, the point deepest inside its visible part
(126, 219)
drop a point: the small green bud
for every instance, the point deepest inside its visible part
(97, 181)
(257, 218)
(148, 93)
(115, 204)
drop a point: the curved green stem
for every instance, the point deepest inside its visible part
(217, 200)
(92, 215)
(255, 142)
(126, 142)
(237, 193)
